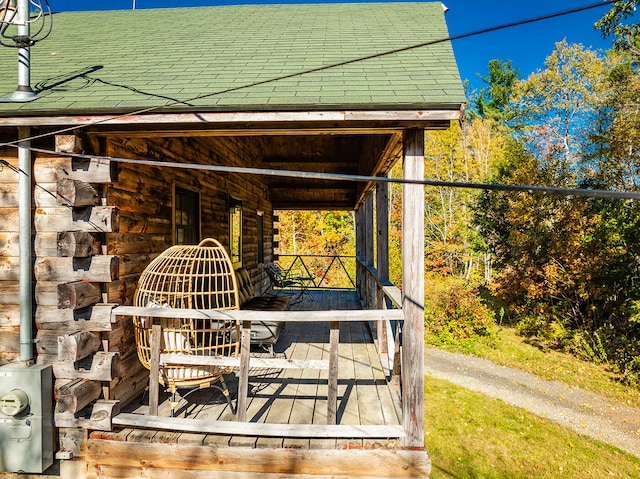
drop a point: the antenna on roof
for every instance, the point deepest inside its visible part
(17, 17)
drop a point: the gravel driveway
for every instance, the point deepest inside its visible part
(584, 412)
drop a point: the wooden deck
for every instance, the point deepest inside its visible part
(295, 396)
(276, 396)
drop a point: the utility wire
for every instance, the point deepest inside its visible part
(624, 195)
(322, 68)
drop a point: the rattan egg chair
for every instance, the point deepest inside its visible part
(192, 277)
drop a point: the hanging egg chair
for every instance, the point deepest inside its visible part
(191, 277)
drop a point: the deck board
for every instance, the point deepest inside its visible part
(295, 396)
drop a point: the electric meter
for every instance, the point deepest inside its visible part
(14, 402)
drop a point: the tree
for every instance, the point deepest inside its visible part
(493, 99)
(617, 23)
(555, 108)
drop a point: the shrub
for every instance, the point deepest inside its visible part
(454, 311)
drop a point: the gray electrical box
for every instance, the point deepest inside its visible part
(26, 418)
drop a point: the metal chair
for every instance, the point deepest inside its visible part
(280, 283)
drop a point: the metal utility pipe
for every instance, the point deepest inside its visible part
(24, 92)
(24, 245)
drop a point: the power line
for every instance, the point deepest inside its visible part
(623, 195)
(322, 68)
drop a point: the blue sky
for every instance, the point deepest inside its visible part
(527, 46)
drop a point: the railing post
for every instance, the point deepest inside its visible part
(154, 367)
(243, 378)
(382, 259)
(332, 392)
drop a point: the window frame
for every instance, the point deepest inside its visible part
(181, 193)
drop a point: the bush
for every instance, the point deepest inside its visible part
(454, 312)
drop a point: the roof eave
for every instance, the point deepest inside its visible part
(429, 113)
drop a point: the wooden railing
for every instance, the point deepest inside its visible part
(382, 295)
(244, 362)
(316, 269)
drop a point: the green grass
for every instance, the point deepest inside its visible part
(509, 349)
(469, 435)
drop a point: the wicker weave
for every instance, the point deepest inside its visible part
(193, 277)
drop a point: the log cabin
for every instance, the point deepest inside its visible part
(149, 128)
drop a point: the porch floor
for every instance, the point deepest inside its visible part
(292, 396)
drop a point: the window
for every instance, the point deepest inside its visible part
(235, 232)
(186, 222)
(260, 236)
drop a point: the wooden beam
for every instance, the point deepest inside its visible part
(78, 294)
(70, 192)
(101, 269)
(77, 394)
(206, 426)
(100, 219)
(254, 362)
(245, 315)
(77, 244)
(92, 318)
(396, 117)
(413, 290)
(73, 347)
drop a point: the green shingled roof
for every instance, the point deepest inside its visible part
(114, 61)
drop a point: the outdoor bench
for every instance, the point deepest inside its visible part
(263, 333)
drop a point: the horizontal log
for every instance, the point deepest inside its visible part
(101, 366)
(46, 293)
(9, 242)
(47, 341)
(76, 394)
(134, 385)
(171, 460)
(99, 219)
(77, 244)
(44, 195)
(140, 203)
(73, 440)
(78, 294)
(93, 318)
(244, 315)
(9, 315)
(70, 192)
(9, 219)
(139, 223)
(96, 416)
(9, 339)
(101, 269)
(135, 263)
(9, 269)
(73, 347)
(122, 290)
(50, 169)
(127, 243)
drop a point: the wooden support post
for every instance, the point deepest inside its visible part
(382, 258)
(243, 379)
(368, 248)
(332, 393)
(413, 290)
(154, 373)
(359, 248)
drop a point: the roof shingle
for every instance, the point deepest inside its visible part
(223, 58)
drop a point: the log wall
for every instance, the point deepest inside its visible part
(97, 225)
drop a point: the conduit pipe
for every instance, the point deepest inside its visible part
(24, 245)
